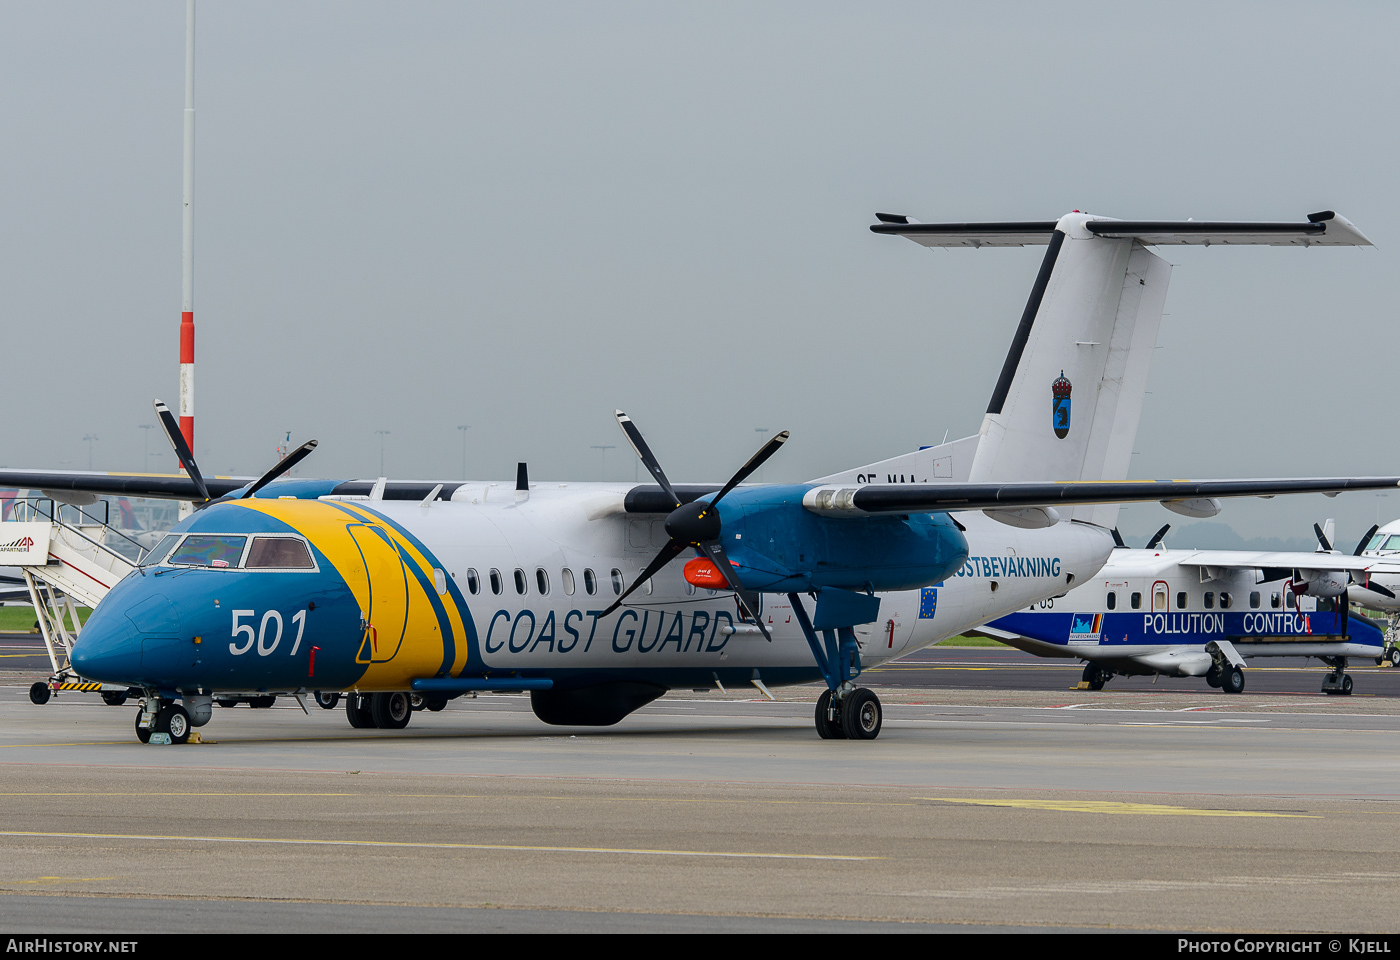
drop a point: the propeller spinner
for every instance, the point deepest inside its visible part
(696, 524)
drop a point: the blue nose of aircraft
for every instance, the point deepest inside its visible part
(108, 647)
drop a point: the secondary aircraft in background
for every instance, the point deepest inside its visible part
(1204, 613)
(571, 590)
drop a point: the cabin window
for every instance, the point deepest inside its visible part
(281, 552)
(542, 581)
(1112, 600)
(1181, 600)
(520, 582)
(495, 581)
(1275, 600)
(473, 581)
(1209, 600)
(1290, 600)
(617, 581)
(646, 587)
(1254, 599)
(207, 551)
(1224, 600)
(590, 582)
(567, 576)
(1135, 601)
(689, 589)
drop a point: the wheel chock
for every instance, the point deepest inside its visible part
(195, 737)
(1081, 685)
(159, 738)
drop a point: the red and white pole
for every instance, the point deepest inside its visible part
(187, 300)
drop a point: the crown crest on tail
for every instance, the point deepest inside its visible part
(1059, 393)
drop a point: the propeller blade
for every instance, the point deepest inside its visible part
(714, 552)
(1365, 539)
(1377, 588)
(639, 444)
(1157, 537)
(283, 465)
(1322, 539)
(182, 449)
(667, 554)
(756, 461)
(1118, 538)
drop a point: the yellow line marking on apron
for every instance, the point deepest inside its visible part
(1115, 806)
(429, 846)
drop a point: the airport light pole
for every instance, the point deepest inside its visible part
(603, 449)
(187, 285)
(146, 447)
(89, 439)
(761, 431)
(382, 435)
(464, 428)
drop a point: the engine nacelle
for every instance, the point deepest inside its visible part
(1320, 583)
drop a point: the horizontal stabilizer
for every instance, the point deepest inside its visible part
(1320, 229)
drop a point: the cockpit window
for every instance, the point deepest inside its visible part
(209, 551)
(1375, 541)
(1392, 543)
(281, 552)
(161, 549)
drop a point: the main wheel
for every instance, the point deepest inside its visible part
(435, 704)
(1394, 656)
(1094, 676)
(357, 711)
(143, 735)
(861, 715)
(1346, 684)
(827, 728)
(326, 701)
(391, 711)
(1232, 680)
(114, 698)
(175, 721)
(1213, 677)
(261, 703)
(39, 693)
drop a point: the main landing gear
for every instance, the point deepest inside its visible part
(1338, 682)
(1095, 676)
(387, 711)
(1226, 677)
(844, 711)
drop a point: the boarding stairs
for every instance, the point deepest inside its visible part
(63, 552)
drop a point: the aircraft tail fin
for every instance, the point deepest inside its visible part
(1067, 403)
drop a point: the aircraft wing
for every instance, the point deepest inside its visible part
(878, 498)
(1278, 560)
(1324, 228)
(156, 486)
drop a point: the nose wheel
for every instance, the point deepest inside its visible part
(169, 720)
(844, 711)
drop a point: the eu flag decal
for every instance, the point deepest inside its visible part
(1059, 400)
(928, 602)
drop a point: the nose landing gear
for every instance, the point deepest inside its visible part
(1338, 682)
(169, 720)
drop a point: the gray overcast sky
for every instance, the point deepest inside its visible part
(411, 216)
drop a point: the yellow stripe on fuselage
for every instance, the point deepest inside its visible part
(327, 525)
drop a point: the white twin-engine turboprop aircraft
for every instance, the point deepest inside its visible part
(569, 590)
